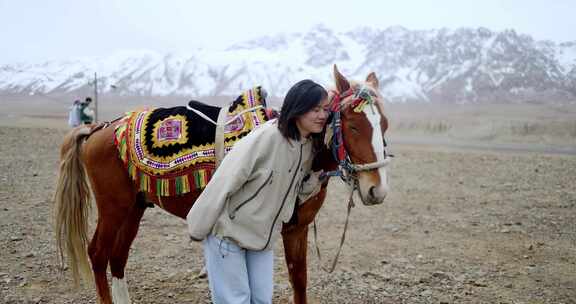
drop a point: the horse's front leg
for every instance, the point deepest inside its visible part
(295, 248)
(295, 237)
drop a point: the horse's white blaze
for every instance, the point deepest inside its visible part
(374, 118)
(120, 293)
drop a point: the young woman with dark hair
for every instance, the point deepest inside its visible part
(239, 214)
(298, 103)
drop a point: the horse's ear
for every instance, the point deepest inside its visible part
(372, 80)
(342, 84)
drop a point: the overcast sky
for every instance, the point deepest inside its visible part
(35, 30)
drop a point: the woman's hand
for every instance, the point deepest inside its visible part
(319, 176)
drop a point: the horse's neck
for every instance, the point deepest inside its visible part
(324, 160)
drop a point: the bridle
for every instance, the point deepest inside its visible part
(346, 170)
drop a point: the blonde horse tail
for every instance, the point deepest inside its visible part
(72, 207)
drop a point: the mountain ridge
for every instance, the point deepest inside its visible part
(463, 65)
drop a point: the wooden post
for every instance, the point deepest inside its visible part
(95, 98)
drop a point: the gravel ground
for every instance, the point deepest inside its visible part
(460, 226)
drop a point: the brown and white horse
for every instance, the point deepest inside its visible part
(90, 160)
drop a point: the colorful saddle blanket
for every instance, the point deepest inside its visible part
(170, 151)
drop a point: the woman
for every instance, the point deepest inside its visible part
(240, 213)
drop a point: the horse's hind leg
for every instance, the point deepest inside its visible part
(115, 197)
(119, 256)
(99, 253)
(110, 219)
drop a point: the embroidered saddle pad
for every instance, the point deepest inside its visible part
(170, 151)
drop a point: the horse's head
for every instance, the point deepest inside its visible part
(358, 112)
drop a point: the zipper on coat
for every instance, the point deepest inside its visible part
(233, 213)
(284, 200)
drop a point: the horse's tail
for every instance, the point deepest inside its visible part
(72, 206)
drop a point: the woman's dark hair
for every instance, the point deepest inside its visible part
(301, 98)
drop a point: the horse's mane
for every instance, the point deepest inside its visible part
(359, 87)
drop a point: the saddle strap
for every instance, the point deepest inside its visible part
(102, 125)
(230, 120)
(219, 137)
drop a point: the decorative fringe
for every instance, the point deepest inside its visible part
(190, 180)
(360, 106)
(120, 139)
(144, 182)
(185, 181)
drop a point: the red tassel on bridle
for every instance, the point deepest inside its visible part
(335, 108)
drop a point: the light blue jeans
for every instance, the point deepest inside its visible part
(237, 275)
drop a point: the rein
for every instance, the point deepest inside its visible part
(346, 170)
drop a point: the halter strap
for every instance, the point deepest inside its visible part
(338, 149)
(338, 97)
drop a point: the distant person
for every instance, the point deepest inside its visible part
(86, 113)
(74, 114)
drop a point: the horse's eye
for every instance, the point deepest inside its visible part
(354, 129)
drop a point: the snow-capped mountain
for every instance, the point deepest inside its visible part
(461, 65)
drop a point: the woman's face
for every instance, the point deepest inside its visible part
(314, 120)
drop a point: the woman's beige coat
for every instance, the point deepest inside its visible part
(254, 190)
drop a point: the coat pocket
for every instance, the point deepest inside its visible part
(250, 191)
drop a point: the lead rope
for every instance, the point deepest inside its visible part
(342, 238)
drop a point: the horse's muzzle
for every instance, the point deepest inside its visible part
(376, 195)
